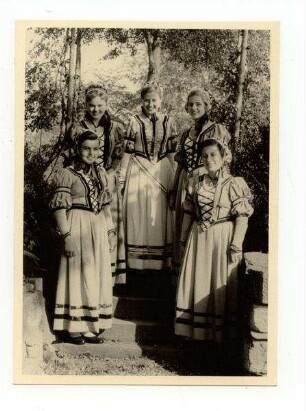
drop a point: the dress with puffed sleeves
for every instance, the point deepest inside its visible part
(84, 288)
(110, 152)
(189, 159)
(150, 142)
(207, 300)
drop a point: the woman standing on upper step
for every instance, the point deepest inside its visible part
(110, 135)
(147, 171)
(188, 160)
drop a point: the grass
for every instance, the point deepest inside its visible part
(195, 361)
(87, 364)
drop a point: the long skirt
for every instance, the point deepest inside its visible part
(148, 218)
(179, 214)
(118, 255)
(180, 197)
(84, 289)
(207, 303)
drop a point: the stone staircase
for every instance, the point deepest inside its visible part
(143, 319)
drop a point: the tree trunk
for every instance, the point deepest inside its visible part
(71, 77)
(153, 41)
(241, 79)
(77, 73)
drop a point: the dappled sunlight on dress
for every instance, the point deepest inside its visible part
(207, 300)
(84, 289)
(110, 152)
(188, 157)
(148, 219)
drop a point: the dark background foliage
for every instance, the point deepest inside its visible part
(178, 60)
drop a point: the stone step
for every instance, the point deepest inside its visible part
(147, 284)
(111, 349)
(138, 330)
(130, 308)
(108, 350)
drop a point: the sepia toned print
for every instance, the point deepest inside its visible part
(146, 239)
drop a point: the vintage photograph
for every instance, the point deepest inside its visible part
(148, 183)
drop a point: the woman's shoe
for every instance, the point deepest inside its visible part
(79, 340)
(93, 340)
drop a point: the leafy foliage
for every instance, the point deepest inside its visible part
(36, 196)
(202, 58)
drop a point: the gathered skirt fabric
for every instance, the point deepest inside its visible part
(207, 295)
(180, 198)
(118, 255)
(84, 290)
(148, 218)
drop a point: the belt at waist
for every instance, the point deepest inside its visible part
(222, 220)
(86, 208)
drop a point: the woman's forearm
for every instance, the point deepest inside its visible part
(61, 221)
(188, 219)
(241, 226)
(125, 161)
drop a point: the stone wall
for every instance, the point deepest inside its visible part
(37, 337)
(256, 313)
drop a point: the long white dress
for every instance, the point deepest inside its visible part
(208, 282)
(110, 144)
(148, 218)
(84, 289)
(188, 157)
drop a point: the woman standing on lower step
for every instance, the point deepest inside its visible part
(81, 207)
(216, 212)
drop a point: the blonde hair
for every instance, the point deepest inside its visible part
(95, 90)
(204, 96)
(151, 88)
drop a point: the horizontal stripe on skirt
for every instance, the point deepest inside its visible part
(148, 219)
(207, 285)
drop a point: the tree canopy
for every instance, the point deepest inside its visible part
(178, 59)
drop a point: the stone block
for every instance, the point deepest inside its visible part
(37, 337)
(259, 318)
(255, 357)
(259, 336)
(257, 276)
(138, 330)
(33, 309)
(106, 350)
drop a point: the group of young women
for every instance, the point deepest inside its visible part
(147, 199)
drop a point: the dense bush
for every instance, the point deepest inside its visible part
(190, 58)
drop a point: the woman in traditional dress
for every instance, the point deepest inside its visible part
(81, 206)
(110, 135)
(216, 212)
(188, 160)
(147, 171)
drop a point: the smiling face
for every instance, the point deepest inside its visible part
(89, 151)
(212, 159)
(96, 108)
(196, 107)
(151, 102)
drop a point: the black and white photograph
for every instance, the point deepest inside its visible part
(148, 183)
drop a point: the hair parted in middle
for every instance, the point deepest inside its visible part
(95, 90)
(204, 96)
